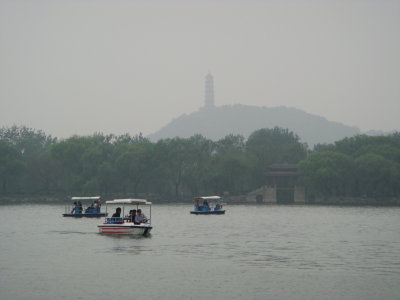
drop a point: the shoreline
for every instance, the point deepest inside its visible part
(327, 201)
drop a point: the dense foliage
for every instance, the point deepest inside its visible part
(174, 169)
(366, 166)
(170, 169)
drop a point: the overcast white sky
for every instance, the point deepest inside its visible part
(78, 67)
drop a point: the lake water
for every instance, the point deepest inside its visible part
(251, 252)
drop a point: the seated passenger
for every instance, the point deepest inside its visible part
(128, 217)
(80, 209)
(75, 209)
(117, 213)
(97, 206)
(206, 206)
(90, 209)
(133, 216)
(140, 218)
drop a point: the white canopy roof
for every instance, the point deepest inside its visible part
(86, 198)
(129, 201)
(209, 198)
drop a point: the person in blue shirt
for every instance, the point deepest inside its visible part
(74, 209)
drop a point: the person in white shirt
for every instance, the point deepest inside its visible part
(140, 218)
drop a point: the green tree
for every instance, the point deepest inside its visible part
(230, 144)
(28, 141)
(41, 174)
(133, 166)
(11, 165)
(229, 173)
(33, 145)
(80, 159)
(329, 173)
(177, 159)
(200, 151)
(377, 176)
(267, 146)
(362, 144)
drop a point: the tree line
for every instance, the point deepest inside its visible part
(33, 163)
(360, 166)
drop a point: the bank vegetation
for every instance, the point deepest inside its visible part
(35, 164)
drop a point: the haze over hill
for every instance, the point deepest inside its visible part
(216, 122)
(78, 67)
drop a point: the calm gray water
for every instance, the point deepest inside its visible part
(252, 252)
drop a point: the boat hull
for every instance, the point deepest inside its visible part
(210, 212)
(124, 229)
(84, 215)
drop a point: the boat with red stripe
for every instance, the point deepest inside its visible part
(133, 223)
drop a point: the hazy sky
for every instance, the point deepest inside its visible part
(78, 67)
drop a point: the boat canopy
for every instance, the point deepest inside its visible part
(129, 201)
(209, 198)
(86, 198)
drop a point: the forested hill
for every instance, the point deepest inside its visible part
(217, 122)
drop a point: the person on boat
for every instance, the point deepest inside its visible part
(132, 215)
(80, 209)
(206, 206)
(196, 205)
(75, 209)
(117, 213)
(97, 205)
(128, 217)
(90, 209)
(140, 217)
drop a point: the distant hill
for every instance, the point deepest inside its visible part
(217, 122)
(379, 132)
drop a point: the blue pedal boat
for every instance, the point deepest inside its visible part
(79, 210)
(205, 208)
